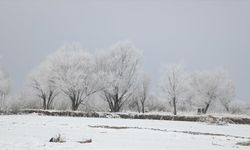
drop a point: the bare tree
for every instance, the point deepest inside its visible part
(154, 103)
(47, 95)
(120, 69)
(172, 85)
(212, 86)
(4, 85)
(229, 95)
(141, 93)
(43, 84)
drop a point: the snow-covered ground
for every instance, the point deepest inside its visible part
(32, 132)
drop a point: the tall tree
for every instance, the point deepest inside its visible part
(43, 84)
(173, 85)
(141, 93)
(120, 70)
(212, 86)
(74, 72)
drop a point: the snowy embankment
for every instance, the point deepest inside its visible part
(219, 119)
(24, 132)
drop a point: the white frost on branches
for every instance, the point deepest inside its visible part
(43, 84)
(173, 85)
(74, 72)
(120, 67)
(212, 86)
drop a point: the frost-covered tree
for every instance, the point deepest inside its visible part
(43, 84)
(120, 71)
(238, 107)
(229, 96)
(155, 104)
(74, 72)
(141, 93)
(173, 85)
(4, 85)
(212, 86)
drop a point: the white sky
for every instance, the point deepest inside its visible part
(202, 34)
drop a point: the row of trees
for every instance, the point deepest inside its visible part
(116, 76)
(200, 89)
(113, 74)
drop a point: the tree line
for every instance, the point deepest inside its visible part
(115, 79)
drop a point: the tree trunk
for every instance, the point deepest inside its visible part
(48, 106)
(206, 108)
(1, 101)
(74, 107)
(44, 104)
(227, 108)
(116, 103)
(138, 107)
(116, 108)
(142, 107)
(174, 103)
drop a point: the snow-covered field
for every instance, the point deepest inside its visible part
(31, 132)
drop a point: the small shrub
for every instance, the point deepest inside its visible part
(57, 139)
(215, 120)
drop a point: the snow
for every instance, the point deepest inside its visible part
(29, 132)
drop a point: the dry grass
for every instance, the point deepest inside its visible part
(85, 141)
(247, 143)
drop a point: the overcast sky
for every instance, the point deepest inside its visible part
(201, 34)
